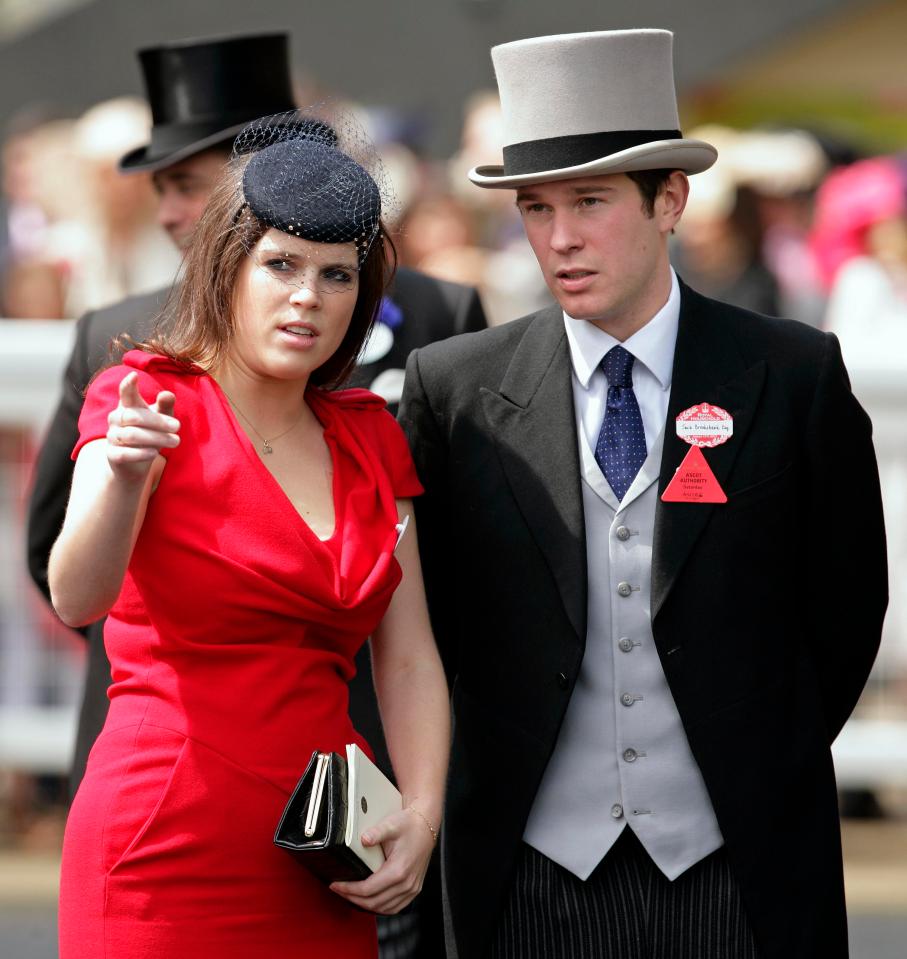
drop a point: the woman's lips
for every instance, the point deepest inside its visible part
(299, 335)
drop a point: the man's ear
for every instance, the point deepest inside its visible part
(671, 200)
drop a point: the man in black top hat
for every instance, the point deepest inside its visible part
(201, 94)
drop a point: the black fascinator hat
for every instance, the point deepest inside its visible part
(310, 178)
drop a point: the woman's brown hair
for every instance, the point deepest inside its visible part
(198, 326)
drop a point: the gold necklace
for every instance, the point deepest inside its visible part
(266, 447)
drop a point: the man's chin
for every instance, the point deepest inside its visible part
(578, 310)
(578, 306)
(581, 308)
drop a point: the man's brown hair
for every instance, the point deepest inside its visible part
(649, 183)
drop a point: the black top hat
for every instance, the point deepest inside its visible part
(203, 92)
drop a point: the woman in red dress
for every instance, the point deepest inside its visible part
(236, 517)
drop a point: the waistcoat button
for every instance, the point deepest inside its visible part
(617, 811)
(624, 589)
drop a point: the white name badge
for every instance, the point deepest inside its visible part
(705, 425)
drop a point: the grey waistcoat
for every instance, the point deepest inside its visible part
(622, 756)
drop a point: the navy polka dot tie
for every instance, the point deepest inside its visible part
(621, 447)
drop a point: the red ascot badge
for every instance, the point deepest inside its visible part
(694, 482)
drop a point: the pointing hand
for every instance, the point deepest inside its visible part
(137, 432)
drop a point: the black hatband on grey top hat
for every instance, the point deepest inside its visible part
(203, 92)
(580, 104)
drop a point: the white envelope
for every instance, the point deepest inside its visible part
(401, 529)
(371, 796)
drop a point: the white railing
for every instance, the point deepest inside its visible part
(32, 356)
(33, 738)
(871, 749)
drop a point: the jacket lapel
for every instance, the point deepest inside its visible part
(708, 368)
(534, 428)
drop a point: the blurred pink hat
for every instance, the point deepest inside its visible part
(850, 201)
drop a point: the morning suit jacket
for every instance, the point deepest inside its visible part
(766, 610)
(431, 309)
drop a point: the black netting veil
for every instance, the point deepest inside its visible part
(315, 174)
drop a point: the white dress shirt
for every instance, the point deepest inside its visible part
(653, 347)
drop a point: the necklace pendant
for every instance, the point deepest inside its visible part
(266, 447)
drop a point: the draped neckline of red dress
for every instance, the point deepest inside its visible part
(324, 417)
(343, 580)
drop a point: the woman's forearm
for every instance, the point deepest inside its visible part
(111, 483)
(89, 559)
(411, 688)
(415, 714)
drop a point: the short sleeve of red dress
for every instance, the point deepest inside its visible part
(103, 395)
(397, 458)
(385, 436)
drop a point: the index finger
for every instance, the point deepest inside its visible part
(129, 392)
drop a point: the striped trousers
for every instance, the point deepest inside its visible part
(626, 909)
(398, 936)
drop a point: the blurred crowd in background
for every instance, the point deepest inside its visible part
(788, 222)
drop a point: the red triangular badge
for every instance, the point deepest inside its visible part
(694, 482)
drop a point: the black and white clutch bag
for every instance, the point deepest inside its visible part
(335, 801)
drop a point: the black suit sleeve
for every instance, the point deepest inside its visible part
(430, 451)
(845, 537)
(53, 469)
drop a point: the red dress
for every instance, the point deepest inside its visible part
(231, 646)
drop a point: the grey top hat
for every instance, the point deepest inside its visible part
(580, 104)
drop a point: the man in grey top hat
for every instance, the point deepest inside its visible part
(638, 541)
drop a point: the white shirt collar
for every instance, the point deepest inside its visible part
(653, 345)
